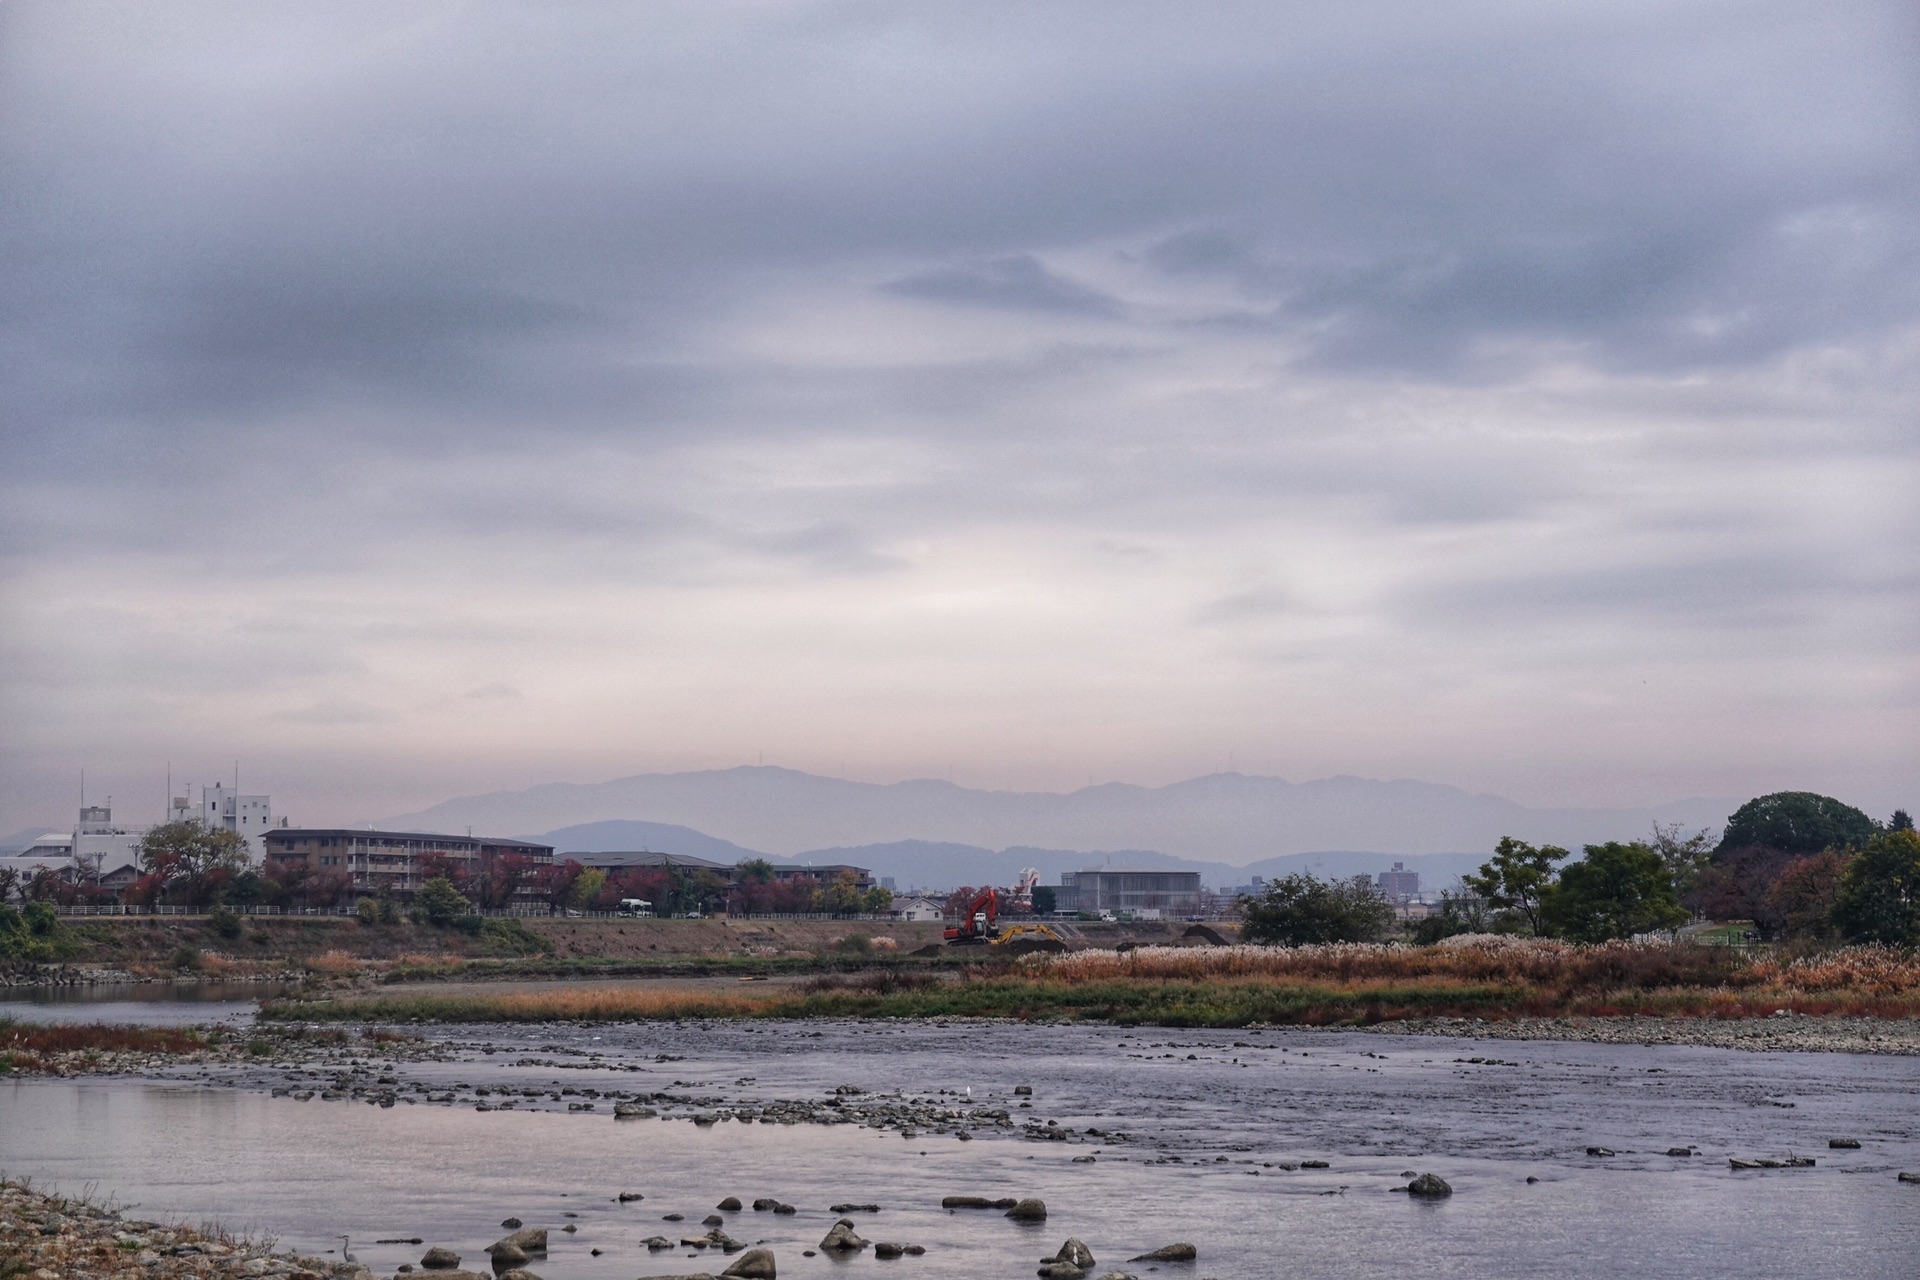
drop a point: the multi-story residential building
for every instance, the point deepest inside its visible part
(249, 817)
(1399, 884)
(392, 862)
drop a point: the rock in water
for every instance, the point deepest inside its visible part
(511, 1224)
(530, 1240)
(1600, 1151)
(1844, 1144)
(518, 1273)
(1182, 1252)
(1060, 1271)
(632, 1111)
(1028, 1210)
(754, 1264)
(438, 1259)
(888, 1249)
(730, 1205)
(506, 1256)
(628, 1197)
(1429, 1186)
(656, 1243)
(975, 1202)
(1679, 1151)
(843, 1238)
(1075, 1253)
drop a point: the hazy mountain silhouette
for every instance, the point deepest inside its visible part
(1226, 818)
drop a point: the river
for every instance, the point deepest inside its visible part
(1210, 1118)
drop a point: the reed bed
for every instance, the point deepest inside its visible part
(26, 1046)
(1234, 986)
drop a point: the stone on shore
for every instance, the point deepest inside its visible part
(1429, 1187)
(843, 1238)
(439, 1259)
(754, 1264)
(1030, 1209)
(1181, 1252)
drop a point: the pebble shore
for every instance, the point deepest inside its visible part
(52, 1237)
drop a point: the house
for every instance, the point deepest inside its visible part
(918, 908)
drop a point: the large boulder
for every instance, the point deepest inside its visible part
(1030, 1209)
(1075, 1253)
(1429, 1187)
(1061, 1271)
(1181, 1252)
(754, 1264)
(730, 1205)
(506, 1255)
(842, 1239)
(439, 1259)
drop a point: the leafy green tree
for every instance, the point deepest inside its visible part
(1616, 891)
(1299, 910)
(440, 902)
(1516, 878)
(586, 887)
(1686, 856)
(1900, 821)
(878, 901)
(1879, 895)
(843, 896)
(1045, 899)
(1796, 822)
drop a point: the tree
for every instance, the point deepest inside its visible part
(1616, 891)
(1801, 899)
(586, 887)
(877, 901)
(440, 902)
(1459, 913)
(195, 862)
(1686, 857)
(1796, 822)
(1299, 910)
(843, 896)
(1516, 878)
(1900, 821)
(1044, 898)
(1736, 886)
(500, 878)
(1879, 895)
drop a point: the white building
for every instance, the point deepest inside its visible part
(102, 846)
(248, 817)
(918, 909)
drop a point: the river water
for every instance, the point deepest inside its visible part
(1210, 1117)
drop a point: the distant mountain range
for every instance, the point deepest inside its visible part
(1229, 825)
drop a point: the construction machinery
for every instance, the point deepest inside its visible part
(980, 926)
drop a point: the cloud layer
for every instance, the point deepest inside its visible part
(428, 400)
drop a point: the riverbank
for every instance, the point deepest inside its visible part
(91, 1049)
(1498, 980)
(54, 1237)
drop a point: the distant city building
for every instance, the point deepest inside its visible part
(1399, 884)
(391, 862)
(103, 848)
(630, 859)
(1170, 893)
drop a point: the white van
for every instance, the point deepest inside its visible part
(635, 907)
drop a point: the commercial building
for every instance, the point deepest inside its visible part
(392, 862)
(1140, 893)
(1399, 884)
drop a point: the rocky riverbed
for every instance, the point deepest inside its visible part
(1784, 1032)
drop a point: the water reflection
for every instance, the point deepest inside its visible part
(142, 1003)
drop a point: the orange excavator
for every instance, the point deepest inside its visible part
(977, 925)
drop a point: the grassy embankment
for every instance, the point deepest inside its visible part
(1234, 986)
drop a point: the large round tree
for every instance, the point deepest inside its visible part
(1796, 822)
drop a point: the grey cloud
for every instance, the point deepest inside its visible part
(1022, 282)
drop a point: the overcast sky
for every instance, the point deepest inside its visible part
(414, 400)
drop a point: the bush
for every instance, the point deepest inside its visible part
(1299, 910)
(186, 958)
(372, 911)
(441, 903)
(224, 921)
